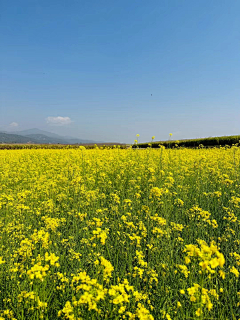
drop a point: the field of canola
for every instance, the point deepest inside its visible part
(120, 234)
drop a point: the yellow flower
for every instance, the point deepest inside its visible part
(108, 268)
(214, 263)
(235, 271)
(222, 274)
(198, 312)
(52, 258)
(209, 305)
(187, 260)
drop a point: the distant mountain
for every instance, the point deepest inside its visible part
(36, 131)
(42, 136)
(14, 138)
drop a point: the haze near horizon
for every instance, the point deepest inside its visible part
(106, 71)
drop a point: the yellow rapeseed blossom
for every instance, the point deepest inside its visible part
(112, 233)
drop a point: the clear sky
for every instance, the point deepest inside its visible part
(108, 70)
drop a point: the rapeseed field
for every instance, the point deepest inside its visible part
(120, 234)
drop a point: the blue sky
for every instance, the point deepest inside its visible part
(108, 70)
